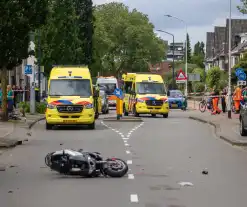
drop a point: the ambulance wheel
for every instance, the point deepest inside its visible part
(153, 115)
(91, 126)
(165, 115)
(48, 126)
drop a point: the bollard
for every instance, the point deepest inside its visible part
(118, 108)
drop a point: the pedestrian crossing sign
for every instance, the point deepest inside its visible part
(181, 78)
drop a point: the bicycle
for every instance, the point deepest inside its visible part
(205, 104)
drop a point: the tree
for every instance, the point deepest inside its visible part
(124, 40)
(197, 49)
(199, 54)
(213, 77)
(18, 19)
(66, 38)
(243, 7)
(188, 49)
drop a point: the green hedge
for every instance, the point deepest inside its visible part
(40, 107)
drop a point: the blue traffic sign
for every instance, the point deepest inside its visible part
(242, 76)
(238, 71)
(28, 70)
(118, 92)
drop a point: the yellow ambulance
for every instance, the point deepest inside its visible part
(146, 96)
(70, 97)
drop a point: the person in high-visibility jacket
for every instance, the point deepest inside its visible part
(215, 100)
(237, 97)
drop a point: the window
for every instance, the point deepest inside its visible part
(64, 87)
(150, 88)
(109, 87)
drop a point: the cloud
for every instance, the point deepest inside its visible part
(200, 15)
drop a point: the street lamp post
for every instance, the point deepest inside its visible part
(173, 63)
(229, 61)
(186, 49)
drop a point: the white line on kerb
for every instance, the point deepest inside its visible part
(128, 152)
(134, 198)
(131, 176)
(129, 162)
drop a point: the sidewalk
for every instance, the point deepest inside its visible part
(226, 129)
(13, 132)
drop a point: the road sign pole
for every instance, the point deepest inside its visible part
(32, 94)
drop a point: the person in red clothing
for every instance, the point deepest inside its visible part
(215, 99)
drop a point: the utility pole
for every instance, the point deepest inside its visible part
(32, 85)
(229, 60)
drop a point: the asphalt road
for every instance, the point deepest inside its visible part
(163, 152)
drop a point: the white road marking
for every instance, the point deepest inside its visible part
(127, 152)
(125, 141)
(128, 135)
(125, 138)
(126, 144)
(134, 198)
(131, 176)
(129, 162)
(117, 131)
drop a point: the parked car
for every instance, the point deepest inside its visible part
(243, 120)
(104, 99)
(176, 99)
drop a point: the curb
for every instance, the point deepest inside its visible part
(34, 122)
(216, 129)
(7, 144)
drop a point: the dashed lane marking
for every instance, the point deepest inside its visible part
(134, 198)
(129, 162)
(127, 152)
(131, 176)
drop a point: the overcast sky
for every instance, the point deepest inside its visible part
(200, 15)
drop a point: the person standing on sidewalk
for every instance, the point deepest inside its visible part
(237, 97)
(223, 99)
(215, 99)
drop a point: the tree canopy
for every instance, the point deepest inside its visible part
(66, 38)
(243, 7)
(188, 49)
(124, 40)
(18, 19)
(199, 54)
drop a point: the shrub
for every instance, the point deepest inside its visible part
(40, 107)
